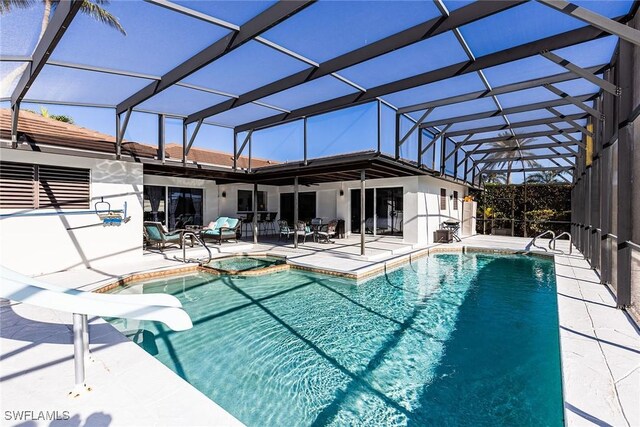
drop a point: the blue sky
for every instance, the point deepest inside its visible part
(158, 39)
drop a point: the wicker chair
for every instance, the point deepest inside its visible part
(154, 234)
(327, 231)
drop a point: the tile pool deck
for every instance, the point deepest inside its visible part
(600, 346)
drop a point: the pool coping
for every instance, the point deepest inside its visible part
(575, 389)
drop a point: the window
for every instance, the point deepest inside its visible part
(455, 200)
(443, 199)
(306, 206)
(28, 186)
(245, 201)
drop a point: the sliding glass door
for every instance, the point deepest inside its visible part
(389, 215)
(368, 210)
(383, 211)
(154, 207)
(185, 207)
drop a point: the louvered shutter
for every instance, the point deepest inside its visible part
(17, 184)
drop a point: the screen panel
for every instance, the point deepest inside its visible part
(427, 55)
(315, 91)
(181, 100)
(72, 85)
(328, 29)
(156, 39)
(250, 66)
(235, 12)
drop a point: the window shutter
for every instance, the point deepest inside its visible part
(17, 183)
(63, 187)
(443, 199)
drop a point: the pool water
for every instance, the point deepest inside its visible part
(450, 339)
(245, 263)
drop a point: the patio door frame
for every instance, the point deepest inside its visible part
(375, 201)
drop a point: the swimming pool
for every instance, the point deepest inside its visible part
(450, 339)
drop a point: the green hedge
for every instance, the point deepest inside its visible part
(544, 206)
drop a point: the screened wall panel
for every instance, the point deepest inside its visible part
(348, 131)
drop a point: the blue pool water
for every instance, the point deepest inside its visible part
(450, 339)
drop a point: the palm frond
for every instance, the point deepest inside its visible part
(7, 6)
(94, 10)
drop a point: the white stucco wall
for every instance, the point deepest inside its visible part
(421, 200)
(43, 244)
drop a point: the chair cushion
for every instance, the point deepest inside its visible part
(153, 232)
(232, 222)
(220, 221)
(211, 225)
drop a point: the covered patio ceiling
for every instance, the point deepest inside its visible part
(484, 77)
(329, 169)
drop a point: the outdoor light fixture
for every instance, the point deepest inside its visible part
(224, 194)
(341, 192)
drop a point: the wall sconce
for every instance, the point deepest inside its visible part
(451, 196)
(224, 194)
(341, 192)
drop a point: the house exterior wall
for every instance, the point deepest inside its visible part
(421, 200)
(66, 240)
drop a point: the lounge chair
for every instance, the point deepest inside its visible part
(327, 231)
(155, 234)
(224, 228)
(303, 230)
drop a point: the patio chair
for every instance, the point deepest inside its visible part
(327, 231)
(285, 230)
(155, 234)
(303, 230)
(224, 228)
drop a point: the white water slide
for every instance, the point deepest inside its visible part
(157, 307)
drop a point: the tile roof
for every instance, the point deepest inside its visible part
(214, 157)
(37, 130)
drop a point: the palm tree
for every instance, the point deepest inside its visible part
(546, 177)
(93, 9)
(507, 157)
(495, 178)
